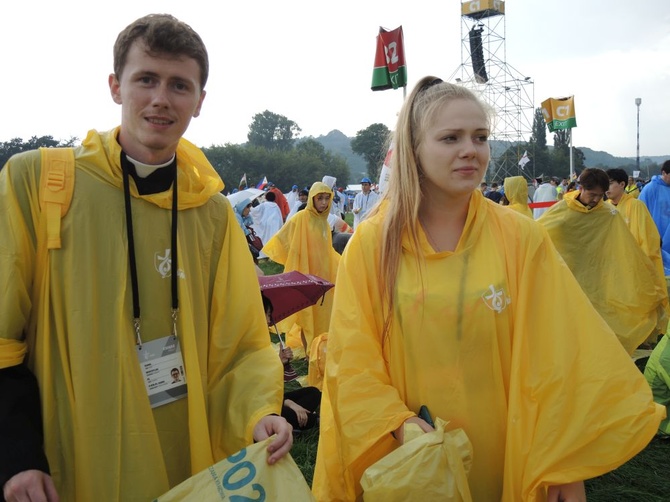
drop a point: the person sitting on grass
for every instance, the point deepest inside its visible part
(300, 405)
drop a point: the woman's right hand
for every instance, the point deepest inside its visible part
(399, 433)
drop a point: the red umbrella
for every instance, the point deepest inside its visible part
(291, 292)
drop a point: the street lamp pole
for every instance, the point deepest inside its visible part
(638, 102)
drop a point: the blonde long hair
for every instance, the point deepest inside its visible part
(402, 199)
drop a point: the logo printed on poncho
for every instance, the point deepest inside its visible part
(163, 265)
(496, 300)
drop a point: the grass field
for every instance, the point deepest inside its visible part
(641, 479)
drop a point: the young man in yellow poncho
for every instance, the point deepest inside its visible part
(637, 217)
(441, 300)
(148, 278)
(304, 244)
(516, 193)
(618, 277)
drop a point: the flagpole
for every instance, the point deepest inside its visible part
(572, 166)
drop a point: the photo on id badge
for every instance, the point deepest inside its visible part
(163, 370)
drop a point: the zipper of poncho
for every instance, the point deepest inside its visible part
(133, 262)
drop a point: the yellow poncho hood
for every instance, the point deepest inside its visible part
(196, 178)
(516, 191)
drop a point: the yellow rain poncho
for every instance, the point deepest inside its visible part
(516, 191)
(642, 226)
(619, 279)
(469, 339)
(102, 438)
(304, 244)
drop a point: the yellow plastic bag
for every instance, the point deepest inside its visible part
(245, 475)
(317, 361)
(428, 466)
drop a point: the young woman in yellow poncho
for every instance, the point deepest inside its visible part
(439, 302)
(305, 244)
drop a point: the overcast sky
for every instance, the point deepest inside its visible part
(312, 62)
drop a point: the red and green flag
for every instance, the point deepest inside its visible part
(390, 70)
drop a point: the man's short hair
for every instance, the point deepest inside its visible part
(617, 174)
(592, 177)
(162, 34)
(666, 167)
(270, 196)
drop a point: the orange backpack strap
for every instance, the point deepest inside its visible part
(56, 188)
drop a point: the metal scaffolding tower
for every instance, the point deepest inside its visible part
(484, 69)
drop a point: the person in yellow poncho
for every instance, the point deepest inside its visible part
(631, 188)
(637, 217)
(620, 280)
(441, 299)
(72, 316)
(516, 193)
(304, 244)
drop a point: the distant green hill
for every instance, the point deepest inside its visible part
(336, 142)
(593, 158)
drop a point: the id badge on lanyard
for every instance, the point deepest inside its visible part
(160, 360)
(162, 368)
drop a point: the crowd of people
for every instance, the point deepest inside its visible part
(266, 216)
(134, 344)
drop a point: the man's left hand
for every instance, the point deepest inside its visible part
(281, 445)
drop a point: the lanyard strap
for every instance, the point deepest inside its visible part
(131, 253)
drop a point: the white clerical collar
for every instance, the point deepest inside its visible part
(143, 170)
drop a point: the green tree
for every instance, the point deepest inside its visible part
(538, 152)
(17, 145)
(310, 146)
(371, 143)
(302, 165)
(562, 139)
(272, 131)
(561, 155)
(538, 138)
(507, 164)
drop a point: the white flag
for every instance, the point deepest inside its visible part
(243, 181)
(524, 160)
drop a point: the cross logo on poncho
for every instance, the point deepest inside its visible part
(496, 300)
